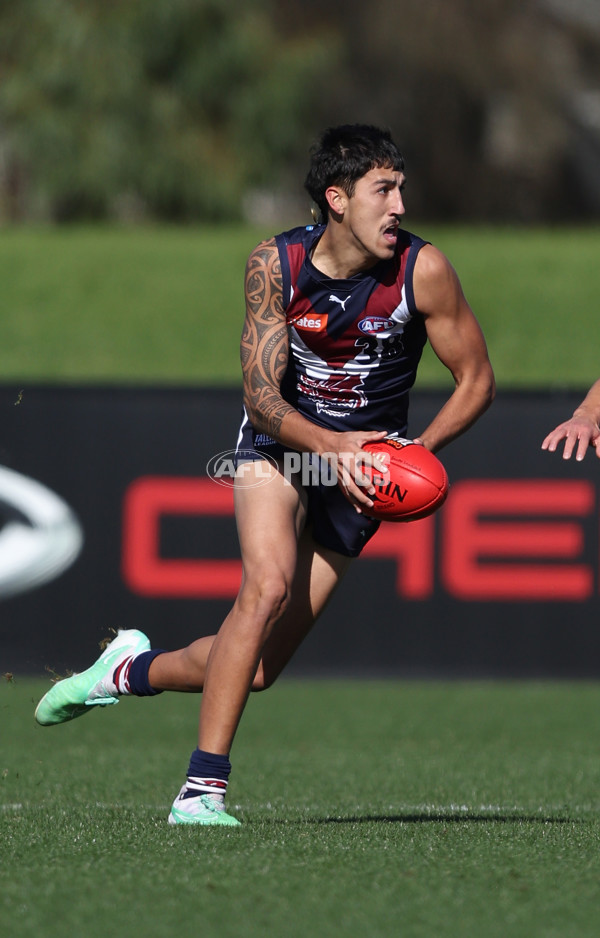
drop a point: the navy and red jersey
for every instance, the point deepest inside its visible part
(355, 344)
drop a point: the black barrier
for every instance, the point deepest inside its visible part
(126, 530)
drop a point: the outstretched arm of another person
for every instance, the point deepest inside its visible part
(457, 339)
(582, 430)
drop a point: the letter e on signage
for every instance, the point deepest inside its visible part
(487, 557)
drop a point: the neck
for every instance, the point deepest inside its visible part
(339, 260)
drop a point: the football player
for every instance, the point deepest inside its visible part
(337, 314)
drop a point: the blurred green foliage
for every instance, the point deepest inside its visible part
(162, 108)
(205, 110)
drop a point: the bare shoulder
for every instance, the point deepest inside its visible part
(264, 256)
(435, 280)
(432, 265)
(263, 283)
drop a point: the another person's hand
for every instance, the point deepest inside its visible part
(579, 433)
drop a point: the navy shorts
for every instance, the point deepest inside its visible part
(334, 521)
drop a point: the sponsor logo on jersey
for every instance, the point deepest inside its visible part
(375, 324)
(312, 322)
(336, 395)
(336, 299)
(263, 439)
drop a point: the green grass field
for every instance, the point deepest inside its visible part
(166, 304)
(468, 810)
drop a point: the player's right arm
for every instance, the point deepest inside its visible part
(264, 355)
(582, 430)
(264, 347)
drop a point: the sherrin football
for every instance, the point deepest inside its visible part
(415, 486)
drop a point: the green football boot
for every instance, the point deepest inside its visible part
(76, 695)
(201, 809)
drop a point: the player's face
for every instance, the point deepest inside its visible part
(374, 212)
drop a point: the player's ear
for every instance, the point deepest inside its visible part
(336, 200)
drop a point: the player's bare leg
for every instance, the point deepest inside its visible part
(269, 524)
(318, 572)
(282, 593)
(270, 519)
(183, 670)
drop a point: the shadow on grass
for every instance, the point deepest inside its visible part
(460, 817)
(434, 817)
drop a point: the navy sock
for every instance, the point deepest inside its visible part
(138, 673)
(208, 773)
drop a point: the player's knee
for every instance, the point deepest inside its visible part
(268, 595)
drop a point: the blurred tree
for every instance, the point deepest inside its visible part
(496, 103)
(186, 109)
(170, 108)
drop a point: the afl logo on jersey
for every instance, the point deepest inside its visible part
(313, 322)
(375, 324)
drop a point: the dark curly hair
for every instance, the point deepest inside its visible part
(344, 155)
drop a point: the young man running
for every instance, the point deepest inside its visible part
(336, 318)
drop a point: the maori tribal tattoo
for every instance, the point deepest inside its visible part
(264, 346)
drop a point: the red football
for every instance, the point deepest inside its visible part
(417, 483)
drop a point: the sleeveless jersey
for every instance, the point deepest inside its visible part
(355, 344)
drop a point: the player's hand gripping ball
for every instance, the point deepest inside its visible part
(415, 486)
